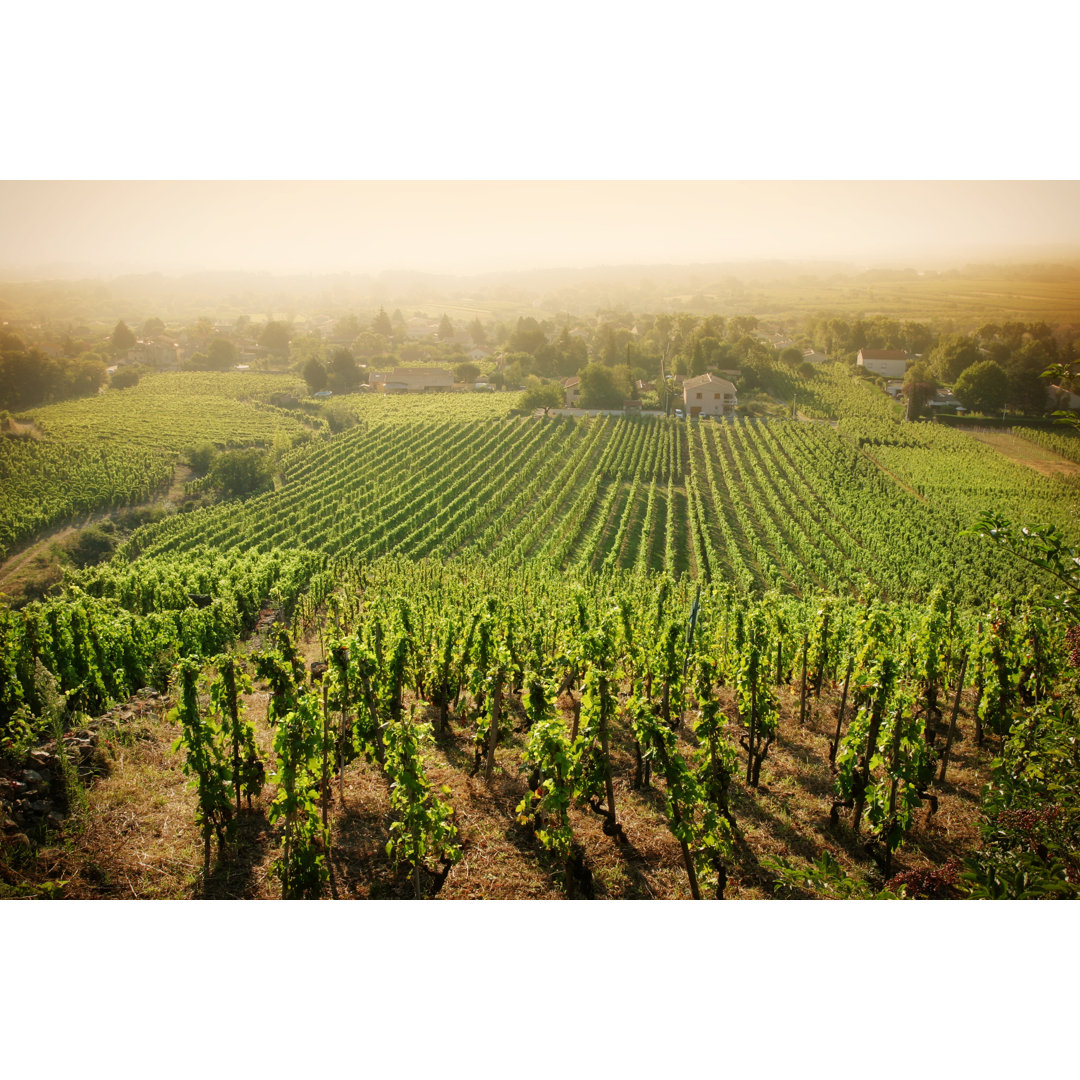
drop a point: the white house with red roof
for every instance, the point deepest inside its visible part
(892, 363)
(707, 395)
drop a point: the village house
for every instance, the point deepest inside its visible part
(892, 363)
(706, 395)
(156, 354)
(572, 390)
(412, 380)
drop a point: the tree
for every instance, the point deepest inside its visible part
(477, 333)
(952, 355)
(528, 336)
(124, 378)
(347, 328)
(201, 456)
(1027, 390)
(741, 325)
(342, 372)
(697, 360)
(203, 330)
(791, 356)
(983, 387)
(604, 387)
(467, 372)
(91, 546)
(275, 337)
(446, 328)
(915, 337)
(314, 375)
(84, 375)
(546, 396)
(241, 472)
(221, 354)
(368, 343)
(122, 338)
(152, 327)
(919, 387)
(381, 324)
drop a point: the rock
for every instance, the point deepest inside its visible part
(32, 778)
(54, 817)
(18, 840)
(10, 825)
(39, 808)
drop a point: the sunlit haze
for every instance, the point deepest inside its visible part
(68, 228)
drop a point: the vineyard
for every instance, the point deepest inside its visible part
(762, 505)
(119, 448)
(461, 653)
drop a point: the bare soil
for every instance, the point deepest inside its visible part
(138, 837)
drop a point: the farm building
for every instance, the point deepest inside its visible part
(163, 355)
(706, 395)
(892, 363)
(572, 388)
(414, 380)
(812, 356)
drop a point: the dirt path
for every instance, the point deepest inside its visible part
(1021, 452)
(11, 426)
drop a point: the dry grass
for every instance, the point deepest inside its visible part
(1022, 452)
(139, 840)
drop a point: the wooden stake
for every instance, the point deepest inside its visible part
(952, 720)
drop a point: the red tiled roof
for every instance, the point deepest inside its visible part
(883, 354)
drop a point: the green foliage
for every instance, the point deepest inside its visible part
(1031, 811)
(91, 545)
(423, 828)
(342, 373)
(466, 372)
(1041, 546)
(238, 733)
(201, 457)
(825, 879)
(551, 761)
(547, 395)
(275, 337)
(221, 354)
(952, 356)
(205, 759)
(124, 378)
(983, 387)
(239, 473)
(381, 324)
(604, 387)
(122, 338)
(298, 746)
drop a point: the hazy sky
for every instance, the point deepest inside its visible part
(472, 227)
